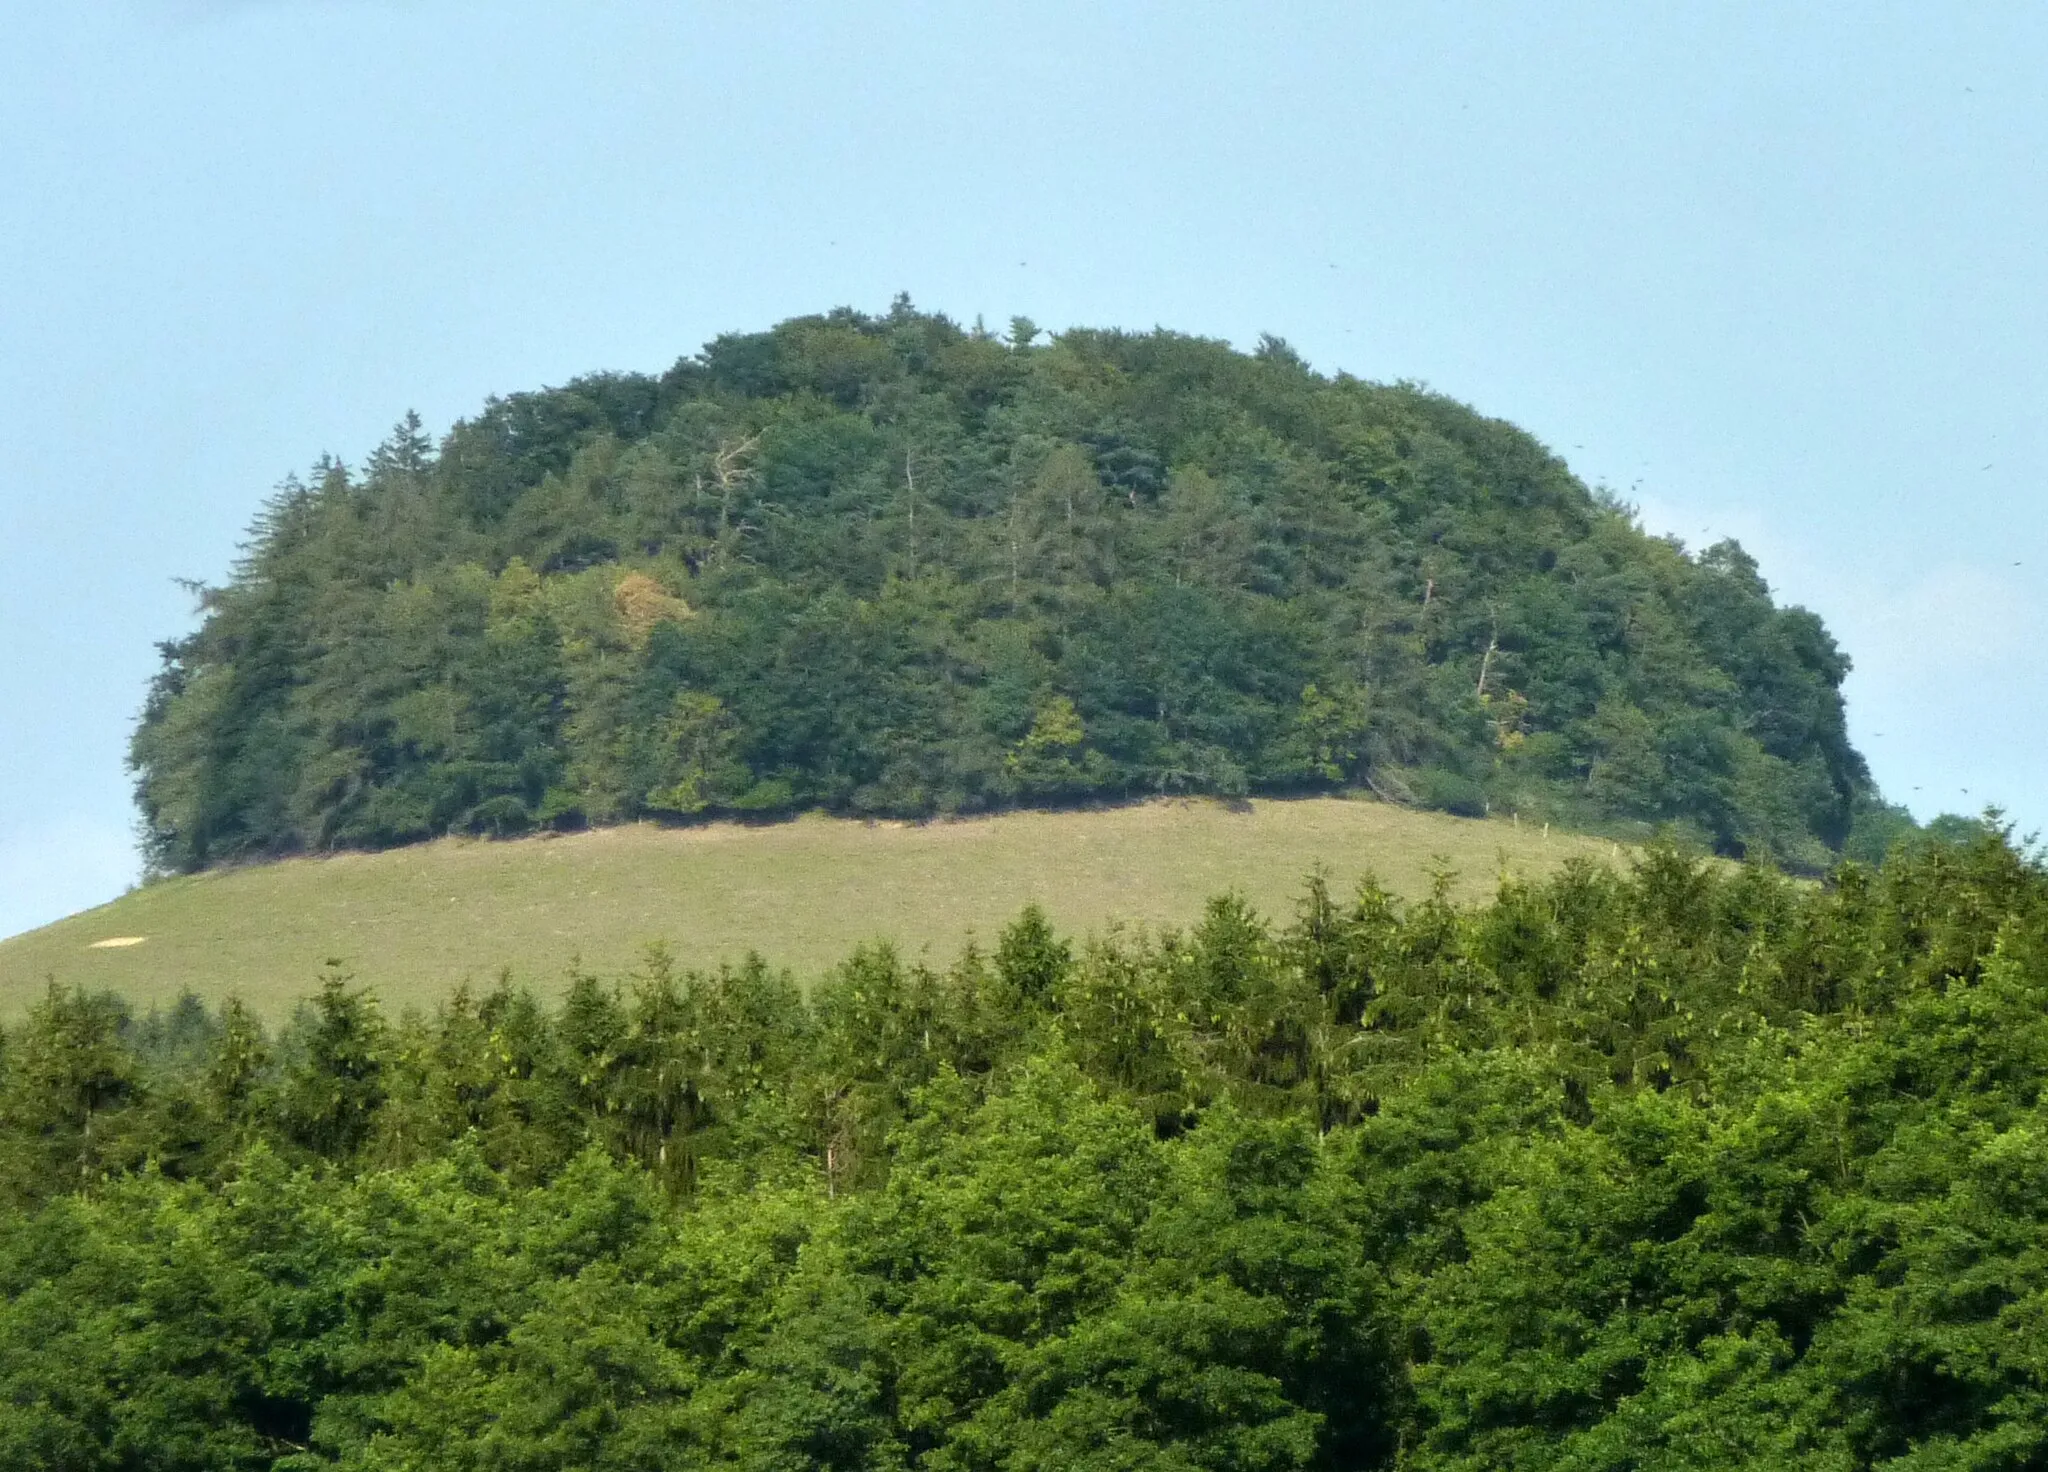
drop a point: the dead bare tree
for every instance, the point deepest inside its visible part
(732, 472)
(1486, 660)
(910, 485)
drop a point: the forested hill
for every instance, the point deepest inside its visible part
(889, 565)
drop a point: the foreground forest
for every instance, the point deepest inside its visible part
(1692, 1167)
(888, 565)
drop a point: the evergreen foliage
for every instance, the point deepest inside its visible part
(1696, 1167)
(886, 565)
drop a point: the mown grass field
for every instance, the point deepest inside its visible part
(415, 922)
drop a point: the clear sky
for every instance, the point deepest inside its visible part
(1779, 272)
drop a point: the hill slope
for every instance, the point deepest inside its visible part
(1691, 1168)
(415, 922)
(888, 566)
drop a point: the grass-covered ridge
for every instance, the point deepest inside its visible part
(417, 921)
(1688, 1168)
(891, 566)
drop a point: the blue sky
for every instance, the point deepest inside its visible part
(1769, 271)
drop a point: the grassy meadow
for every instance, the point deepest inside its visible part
(415, 922)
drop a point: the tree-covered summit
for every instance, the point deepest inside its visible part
(892, 565)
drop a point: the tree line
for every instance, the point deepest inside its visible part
(1689, 1167)
(891, 565)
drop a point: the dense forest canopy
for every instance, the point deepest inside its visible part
(1698, 1167)
(888, 565)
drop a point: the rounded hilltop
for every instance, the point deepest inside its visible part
(891, 565)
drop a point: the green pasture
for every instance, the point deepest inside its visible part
(415, 922)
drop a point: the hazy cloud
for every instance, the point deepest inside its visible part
(1953, 618)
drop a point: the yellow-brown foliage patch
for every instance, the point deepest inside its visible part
(642, 603)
